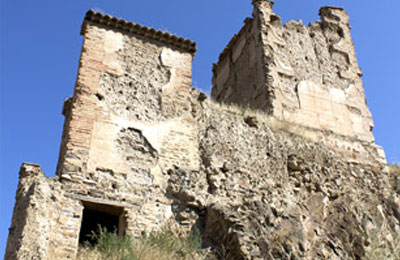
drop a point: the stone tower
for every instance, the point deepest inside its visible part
(304, 75)
(130, 77)
(129, 119)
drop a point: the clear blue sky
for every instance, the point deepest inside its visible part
(40, 47)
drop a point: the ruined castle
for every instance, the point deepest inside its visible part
(280, 162)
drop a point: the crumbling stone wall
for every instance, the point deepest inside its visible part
(138, 138)
(128, 118)
(263, 193)
(240, 68)
(45, 222)
(123, 79)
(309, 75)
(257, 193)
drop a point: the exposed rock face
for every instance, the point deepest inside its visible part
(273, 195)
(140, 144)
(136, 149)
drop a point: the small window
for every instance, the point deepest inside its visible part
(97, 217)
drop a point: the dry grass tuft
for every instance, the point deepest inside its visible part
(161, 245)
(394, 175)
(378, 250)
(394, 168)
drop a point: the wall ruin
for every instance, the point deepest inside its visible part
(140, 144)
(302, 75)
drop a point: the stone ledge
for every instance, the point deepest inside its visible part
(98, 201)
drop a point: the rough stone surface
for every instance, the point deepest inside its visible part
(302, 75)
(274, 195)
(138, 138)
(45, 222)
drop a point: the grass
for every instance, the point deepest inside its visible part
(394, 174)
(394, 168)
(378, 248)
(160, 245)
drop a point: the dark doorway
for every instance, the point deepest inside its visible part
(98, 217)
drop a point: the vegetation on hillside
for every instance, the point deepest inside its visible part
(380, 250)
(160, 245)
(394, 170)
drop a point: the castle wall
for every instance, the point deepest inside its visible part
(45, 223)
(270, 194)
(311, 76)
(123, 81)
(129, 120)
(137, 139)
(239, 73)
(317, 80)
(257, 191)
